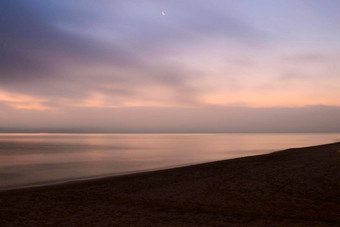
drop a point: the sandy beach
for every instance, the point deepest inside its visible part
(293, 187)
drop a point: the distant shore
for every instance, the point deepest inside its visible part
(291, 187)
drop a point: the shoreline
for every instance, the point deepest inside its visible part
(122, 174)
(21, 171)
(293, 186)
(91, 178)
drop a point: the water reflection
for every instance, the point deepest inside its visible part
(27, 159)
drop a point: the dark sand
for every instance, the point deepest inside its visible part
(287, 188)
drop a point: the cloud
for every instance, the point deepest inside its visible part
(307, 66)
(308, 58)
(42, 58)
(208, 119)
(125, 53)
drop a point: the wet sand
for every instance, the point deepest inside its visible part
(293, 187)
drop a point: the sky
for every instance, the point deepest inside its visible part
(170, 66)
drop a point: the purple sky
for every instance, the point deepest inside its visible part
(204, 66)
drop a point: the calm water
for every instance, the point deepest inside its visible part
(31, 159)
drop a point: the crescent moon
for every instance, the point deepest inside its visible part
(163, 13)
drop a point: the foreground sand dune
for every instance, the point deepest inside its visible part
(291, 187)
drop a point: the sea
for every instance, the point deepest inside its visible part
(28, 160)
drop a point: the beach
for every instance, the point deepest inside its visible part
(293, 187)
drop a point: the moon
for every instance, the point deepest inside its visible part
(163, 13)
